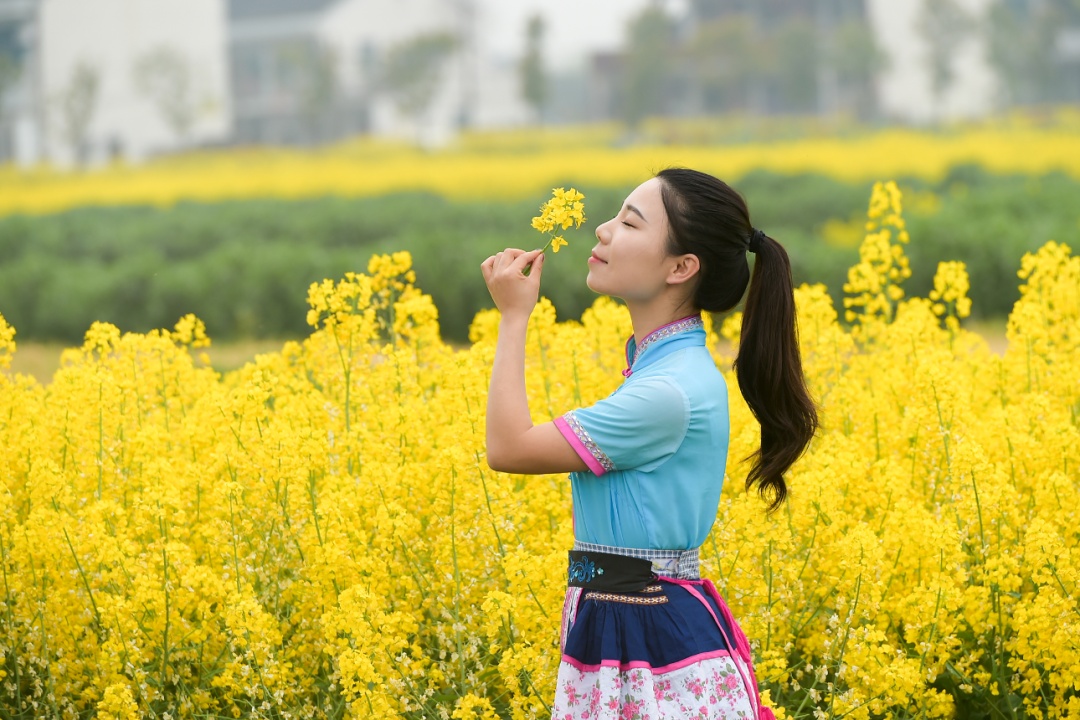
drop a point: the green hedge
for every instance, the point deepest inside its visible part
(244, 267)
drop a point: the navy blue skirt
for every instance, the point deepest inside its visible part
(672, 650)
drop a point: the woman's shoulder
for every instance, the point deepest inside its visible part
(657, 387)
(693, 383)
(692, 364)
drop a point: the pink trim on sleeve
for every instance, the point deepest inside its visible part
(594, 461)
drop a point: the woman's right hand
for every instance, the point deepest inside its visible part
(514, 292)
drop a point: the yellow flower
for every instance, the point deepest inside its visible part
(118, 703)
(563, 210)
(152, 506)
(7, 342)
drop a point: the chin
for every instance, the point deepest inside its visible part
(597, 286)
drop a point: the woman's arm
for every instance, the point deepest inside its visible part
(514, 444)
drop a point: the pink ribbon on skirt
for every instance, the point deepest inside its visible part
(741, 644)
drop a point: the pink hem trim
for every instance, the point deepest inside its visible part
(583, 452)
(635, 664)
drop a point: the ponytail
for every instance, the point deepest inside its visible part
(710, 220)
(770, 375)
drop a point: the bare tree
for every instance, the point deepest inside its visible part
(412, 71)
(163, 76)
(77, 104)
(1021, 47)
(533, 78)
(316, 69)
(723, 62)
(945, 26)
(649, 65)
(795, 64)
(856, 58)
(9, 76)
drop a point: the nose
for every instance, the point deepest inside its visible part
(602, 233)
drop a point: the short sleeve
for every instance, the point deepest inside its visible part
(642, 424)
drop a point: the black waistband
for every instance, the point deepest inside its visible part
(609, 573)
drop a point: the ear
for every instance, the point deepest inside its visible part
(685, 268)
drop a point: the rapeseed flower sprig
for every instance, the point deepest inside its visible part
(1045, 319)
(7, 343)
(951, 285)
(319, 528)
(875, 282)
(565, 209)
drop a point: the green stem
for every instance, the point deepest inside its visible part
(11, 624)
(86, 584)
(101, 439)
(457, 584)
(165, 633)
(528, 268)
(843, 643)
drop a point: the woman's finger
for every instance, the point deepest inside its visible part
(524, 259)
(506, 258)
(487, 267)
(537, 266)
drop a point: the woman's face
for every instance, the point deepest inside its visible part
(628, 262)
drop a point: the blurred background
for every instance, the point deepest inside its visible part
(86, 81)
(163, 157)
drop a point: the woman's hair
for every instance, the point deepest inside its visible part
(710, 220)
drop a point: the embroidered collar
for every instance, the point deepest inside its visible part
(635, 350)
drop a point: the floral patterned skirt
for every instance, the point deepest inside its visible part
(670, 651)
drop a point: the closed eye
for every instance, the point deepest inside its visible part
(627, 224)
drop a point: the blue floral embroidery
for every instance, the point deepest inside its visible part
(584, 570)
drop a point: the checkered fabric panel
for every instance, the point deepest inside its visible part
(681, 564)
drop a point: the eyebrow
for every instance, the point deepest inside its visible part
(633, 209)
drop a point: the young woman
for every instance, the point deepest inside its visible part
(643, 635)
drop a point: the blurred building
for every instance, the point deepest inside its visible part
(911, 61)
(963, 59)
(751, 57)
(20, 104)
(83, 81)
(307, 71)
(103, 79)
(907, 90)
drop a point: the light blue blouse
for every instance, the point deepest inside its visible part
(656, 448)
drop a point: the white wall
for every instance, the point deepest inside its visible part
(112, 35)
(904, 88)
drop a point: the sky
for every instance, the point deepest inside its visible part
(574, 29)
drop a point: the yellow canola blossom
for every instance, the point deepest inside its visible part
(7, 343)
(517, 164)
(564, 210)
(318, 533)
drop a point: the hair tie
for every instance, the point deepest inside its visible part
(756, 238)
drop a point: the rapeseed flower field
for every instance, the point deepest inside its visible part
(516, 164)
(318, 534)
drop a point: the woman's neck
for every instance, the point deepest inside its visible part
(651, 317)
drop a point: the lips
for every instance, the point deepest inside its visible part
(597, 258)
